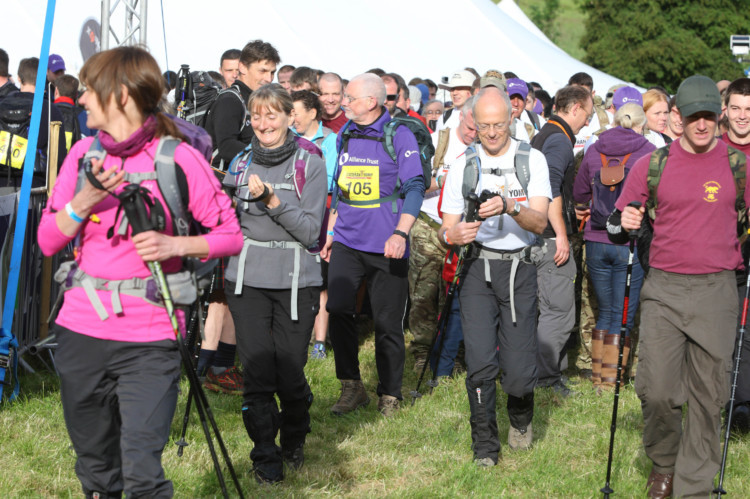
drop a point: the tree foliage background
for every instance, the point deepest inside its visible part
(662, 42)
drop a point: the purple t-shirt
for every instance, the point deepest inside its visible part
(695, 229)
(365, 172)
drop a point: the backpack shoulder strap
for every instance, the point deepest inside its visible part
(472, 171)
(738, 164)
(655, 170)
(301, 161)
(96, 151)
(166, 178)
(521, 161)
(389, 131)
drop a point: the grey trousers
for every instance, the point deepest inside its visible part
(557, 314)
(687, 337)
(118, 400)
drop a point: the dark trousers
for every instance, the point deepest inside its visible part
(388, 288)
(273, 351)
(118, 401)
(491, 339)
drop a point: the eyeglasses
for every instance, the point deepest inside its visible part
(391, 97)
(483, 127)
(352, 99)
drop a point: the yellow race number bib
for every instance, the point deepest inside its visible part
(360, 183)
(12, 150)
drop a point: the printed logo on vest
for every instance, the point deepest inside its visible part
(712, 190)
(343, 158)
(409, 153)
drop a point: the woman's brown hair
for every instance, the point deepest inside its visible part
(106, 73)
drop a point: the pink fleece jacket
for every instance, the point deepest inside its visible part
(116, 258)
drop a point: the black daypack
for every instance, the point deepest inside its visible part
(200, 94)
(424, 142)
(15, 119)
(70, 124)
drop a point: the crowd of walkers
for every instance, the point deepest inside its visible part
(327, 198)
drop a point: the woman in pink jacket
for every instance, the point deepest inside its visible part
(117, 356)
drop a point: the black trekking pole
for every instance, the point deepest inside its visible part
(183, 89)
(182, 443)
(134, 200)
(471, 216)
(607, 490)
(719, 490)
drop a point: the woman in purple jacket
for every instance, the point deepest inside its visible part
(595, 190)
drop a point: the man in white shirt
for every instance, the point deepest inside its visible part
(498, 295)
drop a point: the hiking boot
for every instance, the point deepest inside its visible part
(561, 389)
(229, 381)
(295, 458)
(318, 351)
(388, 405)
(741, 418)
(659, 485)
(520, 439)
(262, 479)
(485, 462)
(353, 396)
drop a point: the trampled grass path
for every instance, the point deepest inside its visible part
(424, 451)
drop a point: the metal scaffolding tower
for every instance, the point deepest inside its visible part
(131, 15)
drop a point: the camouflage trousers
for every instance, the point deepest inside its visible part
(587, 317)
(426, 285)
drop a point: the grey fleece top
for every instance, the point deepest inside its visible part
(294, 220)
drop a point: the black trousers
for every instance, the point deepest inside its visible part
(493, 341)
(272, 347)
(388, 288)
(118, 400)
(273, 351)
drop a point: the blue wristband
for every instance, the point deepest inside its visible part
(330, 233)
(72, 214)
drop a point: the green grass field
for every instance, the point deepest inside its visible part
(424, 451)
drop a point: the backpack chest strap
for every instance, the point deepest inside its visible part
(293, 245)
(69, 276)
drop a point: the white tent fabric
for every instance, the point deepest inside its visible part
(511, 8)
(346, 37)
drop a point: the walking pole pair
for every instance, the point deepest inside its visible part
(133, 201)
(196, 322)
(607, 490)
(471, 216)
(719, 490)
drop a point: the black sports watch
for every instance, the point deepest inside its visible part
(401, 233)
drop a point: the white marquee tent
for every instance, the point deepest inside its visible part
(427, 38)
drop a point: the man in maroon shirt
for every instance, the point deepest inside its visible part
(689, 300)
(331, 96)
(737, 109)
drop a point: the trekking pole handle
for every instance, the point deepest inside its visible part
(135, 209)
(634, 233)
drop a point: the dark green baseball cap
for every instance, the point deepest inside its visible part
(696, 94)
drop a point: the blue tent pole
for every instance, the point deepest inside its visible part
(7, 339)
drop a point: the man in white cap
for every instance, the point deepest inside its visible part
(460, 89)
